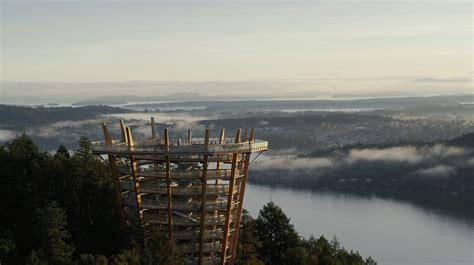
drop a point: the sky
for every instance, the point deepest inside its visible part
(234, 41)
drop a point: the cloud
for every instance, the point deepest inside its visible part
(184, 125)
(159, 117)
(7, 135)
(443, 80)
(285, 163)
(437, 161)
(443, 150)
(44, 131)
(439, 171)
(180, 122)
(145, 130)
(471, 161)
(279, 152)
(393, 154)
(75, 124)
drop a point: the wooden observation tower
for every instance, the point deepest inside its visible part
(192, 189)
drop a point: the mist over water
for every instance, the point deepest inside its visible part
(392, 232)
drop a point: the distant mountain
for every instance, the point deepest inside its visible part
(21, 116)
(395, 103)
(180, 96)
(124, 99)
(376, 95)
(109, 100)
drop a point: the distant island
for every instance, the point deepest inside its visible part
(124, 99)
(389, 94)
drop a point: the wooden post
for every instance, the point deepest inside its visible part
(168, 187)
(218, 165)
(123, 130)
(239, 207)
(245, 135)
(203, 199)
(133, 173)
(115, 176)
(229, 202)
(189, 136)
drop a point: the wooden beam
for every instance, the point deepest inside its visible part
(243, 185)
(239, 207)
(230, 196)
(218, 167)
(203, 200)
(168, 186)
(222, 136)
(245, 135)
(123, 130)
(133, 173)
(221, 141)
(107, 137)
(115, 177)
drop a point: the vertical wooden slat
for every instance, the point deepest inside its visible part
(133, 173)
(203, 199)
(229, 202)
(115, 176)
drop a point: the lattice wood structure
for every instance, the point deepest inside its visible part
(192, 189)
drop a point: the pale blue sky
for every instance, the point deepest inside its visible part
(90, 41)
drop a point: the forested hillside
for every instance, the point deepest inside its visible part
(21, 116)
(59, 209)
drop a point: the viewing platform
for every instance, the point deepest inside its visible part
(179, 147)
(190, 188)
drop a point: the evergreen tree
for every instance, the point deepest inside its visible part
(324, 252)
(94, 223)
(157, 248)
(89, 259)
(8, 250)
(54, 205)
(36, 258)
(62, 151)
(53, 234)
(127, 257)
(296, 256)
(248, 242)
(20, 164)
(276, 234)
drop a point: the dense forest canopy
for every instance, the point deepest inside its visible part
(22, 116)
(59, 208)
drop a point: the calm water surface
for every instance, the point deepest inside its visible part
(391, 232)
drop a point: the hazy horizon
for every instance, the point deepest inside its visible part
(64, 92)
(74, 50)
